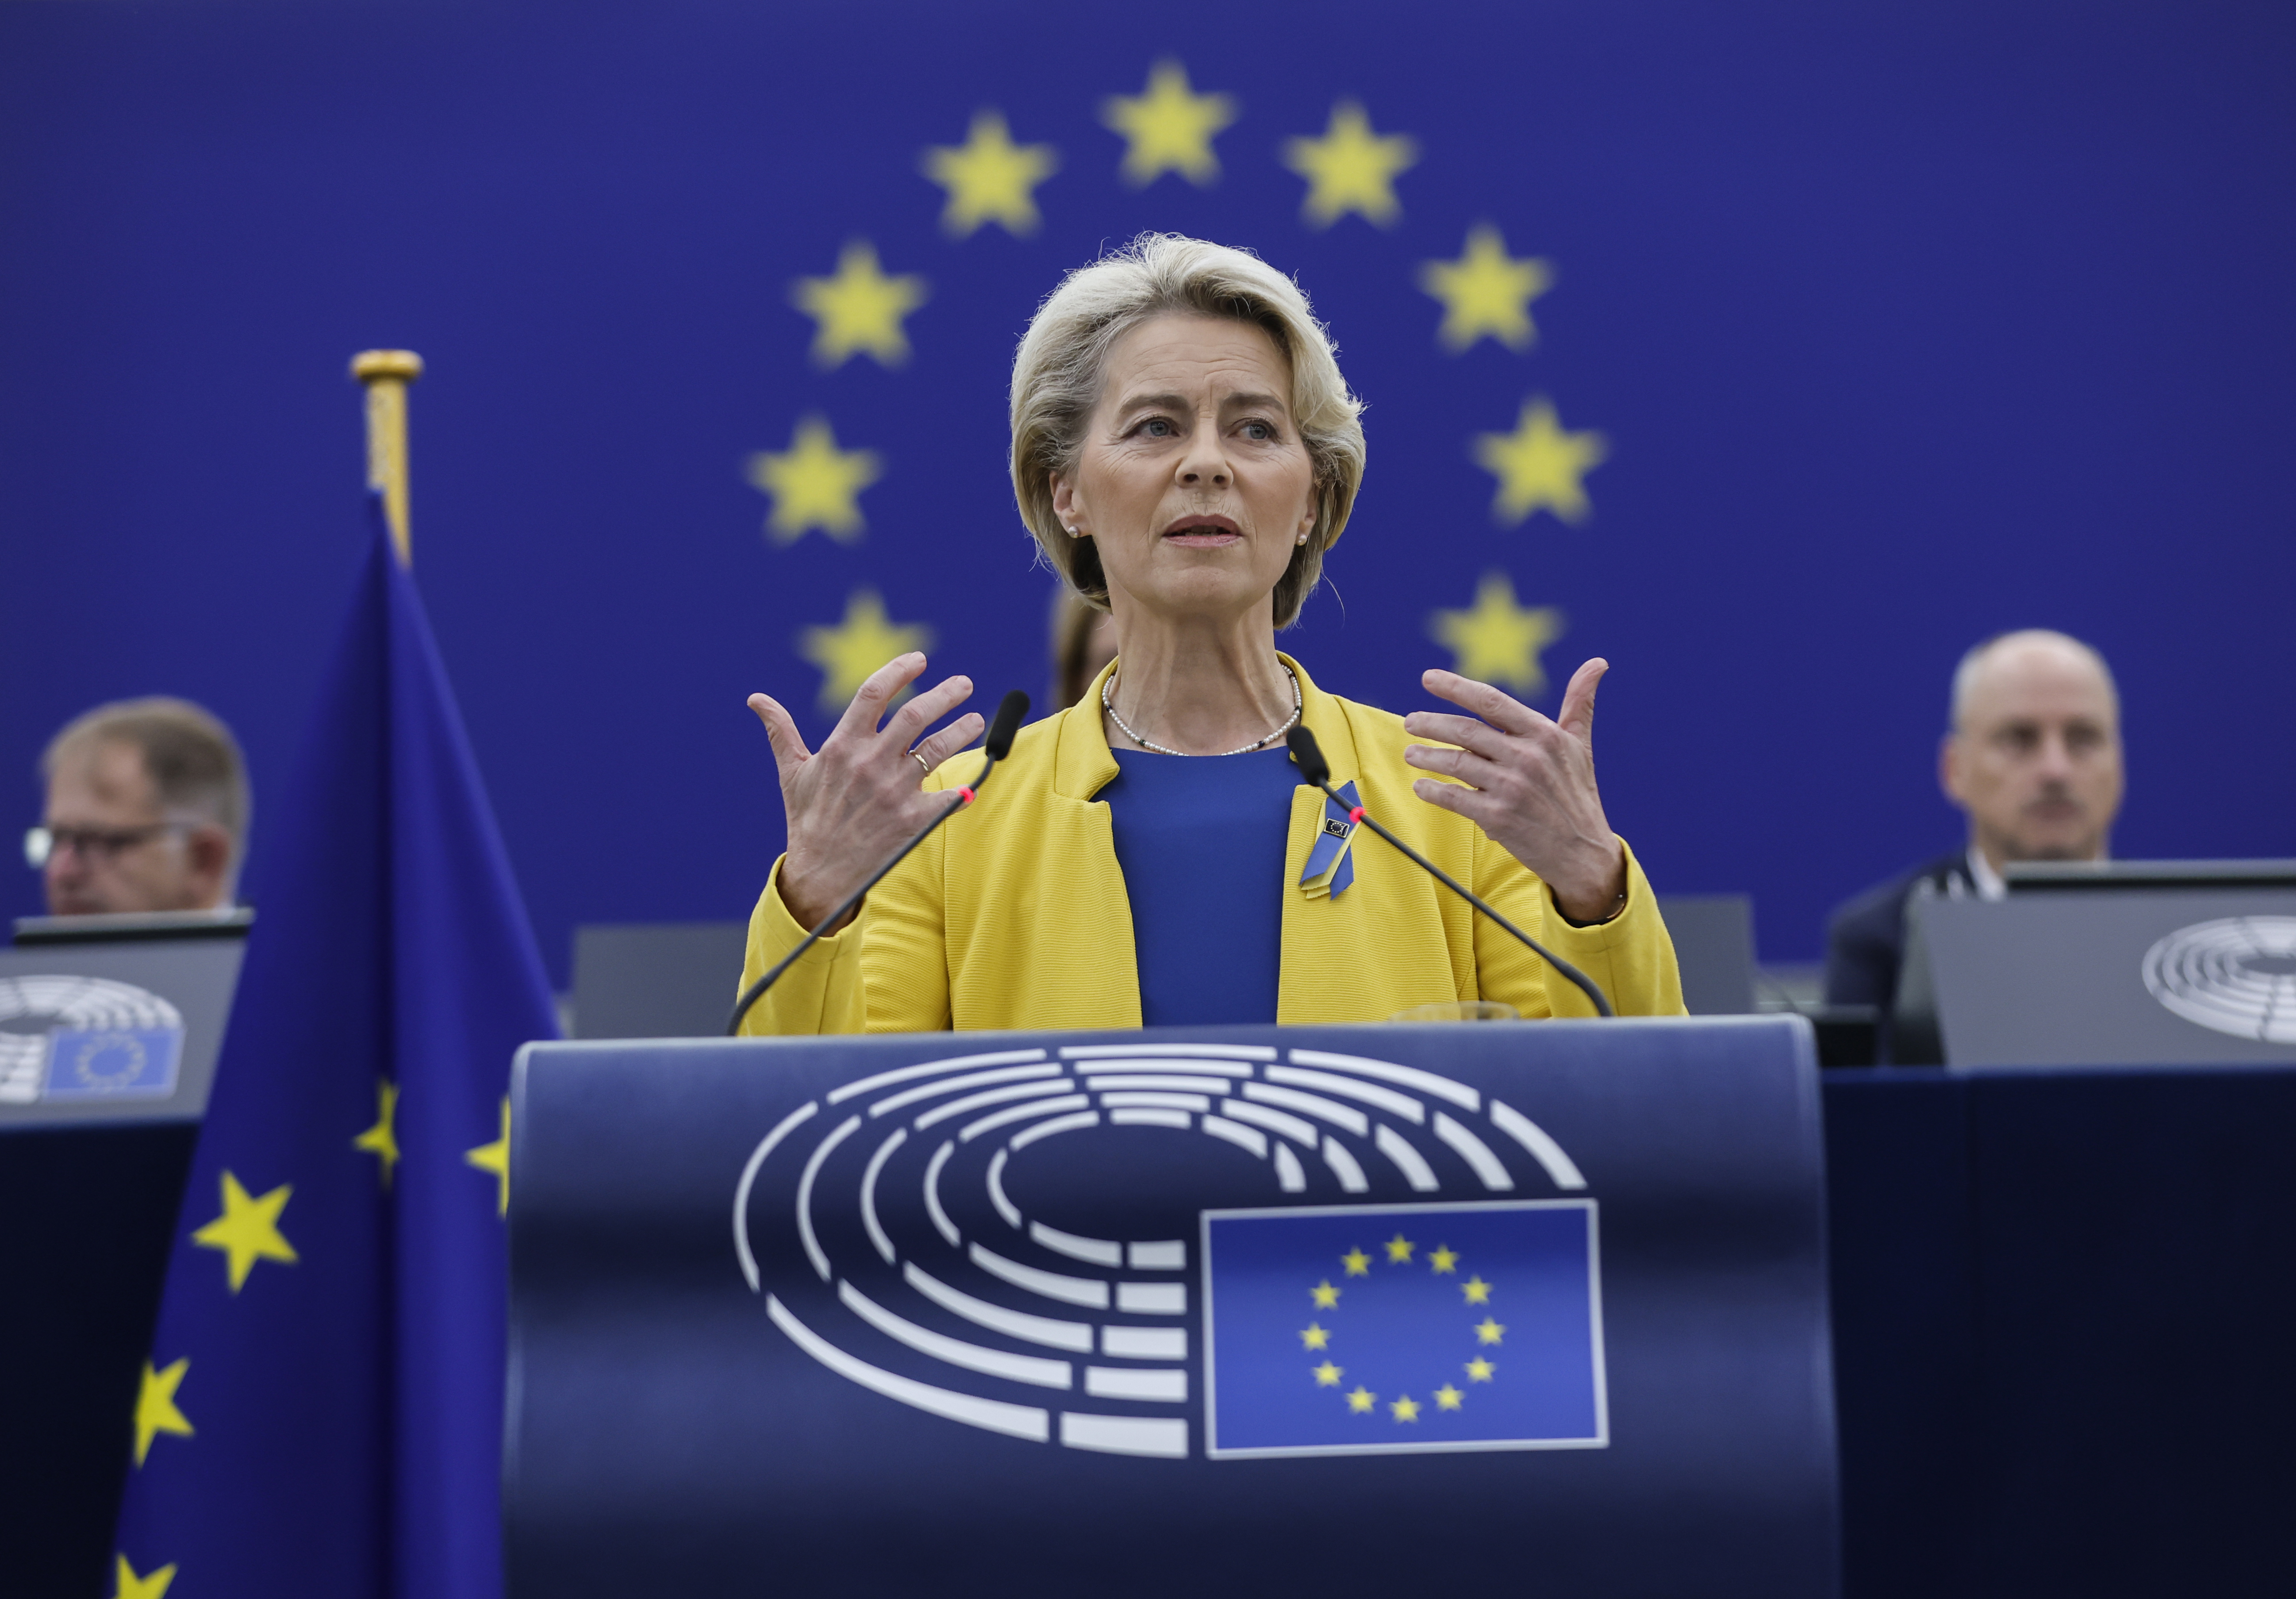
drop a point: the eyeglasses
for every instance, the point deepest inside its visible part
(94, 844)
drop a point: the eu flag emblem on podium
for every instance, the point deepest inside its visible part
(1391, 1328)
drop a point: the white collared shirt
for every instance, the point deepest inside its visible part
(1990, 884)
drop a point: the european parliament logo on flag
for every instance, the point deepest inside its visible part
(322, 1410)
(1385, 1329)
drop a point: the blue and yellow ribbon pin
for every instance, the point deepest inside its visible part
(1332, 864)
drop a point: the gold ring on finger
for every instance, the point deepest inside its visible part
(918, 756)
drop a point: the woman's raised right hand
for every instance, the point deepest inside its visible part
(858, 799)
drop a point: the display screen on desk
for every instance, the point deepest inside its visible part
(112, 1031)
(2138, 977)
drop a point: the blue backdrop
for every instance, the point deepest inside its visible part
(1899, 325)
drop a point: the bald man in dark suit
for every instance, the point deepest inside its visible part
(2034, 759)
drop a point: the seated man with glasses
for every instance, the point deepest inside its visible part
(147, 811)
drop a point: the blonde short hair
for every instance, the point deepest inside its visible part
(1058, 371)
(190, 756)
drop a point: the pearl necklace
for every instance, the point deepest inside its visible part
(1108, 704)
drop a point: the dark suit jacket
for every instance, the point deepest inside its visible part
(1865, 938)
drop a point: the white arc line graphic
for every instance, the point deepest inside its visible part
(1542, 1149)
(1228, 1051)
(1151, 1080)
(1090, 1293)
(1134, 1063)
(805, 1194)
(1315, 1105)
(1043, 1107)
(869, 1194)
(1097, 1251)
(1006, 1208)
(1057, 1124)
(1409, 1077)
(748, 1177)
(837, 1097)
(1168, 1101)
(1019, 1368)
(940, 1221)
(1144, 1344)
(972, 1079)
(1477, 1154)
(1343, 1166)
(1016, 1421)
(1131, 1383)
(1370, 1093)
(1289, 1176)
(1299, 1132)
(1176, 1120)
(1237, 1134)
(1013, 1323)
(990, 1096)
(1125, 1435)
(1408, 1160)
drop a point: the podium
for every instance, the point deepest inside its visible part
(1344, 1310)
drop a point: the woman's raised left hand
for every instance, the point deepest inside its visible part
(1530, 783)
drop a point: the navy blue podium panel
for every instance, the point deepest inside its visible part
(2063, 1312)
(1335, 1309)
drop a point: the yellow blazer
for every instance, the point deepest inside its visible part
(1014, 914)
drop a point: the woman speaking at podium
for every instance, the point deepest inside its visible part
(1185, 451)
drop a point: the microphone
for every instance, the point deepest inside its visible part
(1316, 770)
(997, 746)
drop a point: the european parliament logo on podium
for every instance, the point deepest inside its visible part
(1333, 1324)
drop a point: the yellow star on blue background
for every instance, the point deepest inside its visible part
(1487, 292)
(1539, 464)
(858, 310)
(990, 178)
(1496, 640)
(381, 1139)
(1168, 127)
(814, 484)
(155, 1407)
(152, 1585)
(494, 1159)
(858, 646)
(1351, 168)
(248, 1230)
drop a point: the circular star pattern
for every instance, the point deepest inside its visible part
(1352, 168)
(1482, 1336)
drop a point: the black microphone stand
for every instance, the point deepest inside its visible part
(1309, 757)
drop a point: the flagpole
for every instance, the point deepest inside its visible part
(386, 372)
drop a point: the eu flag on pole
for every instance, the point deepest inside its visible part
(322, 1411)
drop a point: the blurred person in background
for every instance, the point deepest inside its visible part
(2033, 758)
(1084, 641)
(147, 811)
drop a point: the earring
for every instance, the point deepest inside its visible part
(1301, 539)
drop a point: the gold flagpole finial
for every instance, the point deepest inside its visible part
(386, 372)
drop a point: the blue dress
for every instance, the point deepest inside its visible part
(1201, 842)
